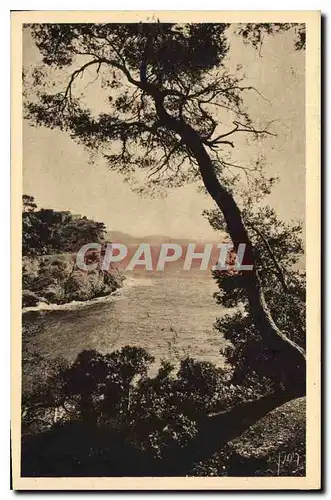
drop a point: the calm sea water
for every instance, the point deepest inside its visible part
(170, 315)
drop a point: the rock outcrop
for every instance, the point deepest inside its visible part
(57, 280)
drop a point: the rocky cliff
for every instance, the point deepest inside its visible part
(57, 280)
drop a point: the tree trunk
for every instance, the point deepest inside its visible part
(225, 426)
(290, 356)
(215, 430)
(275, 339)
(285, 351)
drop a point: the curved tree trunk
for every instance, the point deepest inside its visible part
(286, 351)
(225, 426)
(290, 356)
(215, 430)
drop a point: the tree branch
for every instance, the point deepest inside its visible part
(279, 272)
(239, 127)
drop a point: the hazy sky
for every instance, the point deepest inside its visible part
(56, 170)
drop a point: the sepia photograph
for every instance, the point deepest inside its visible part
(165, 250)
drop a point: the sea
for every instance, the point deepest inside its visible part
(172, 315)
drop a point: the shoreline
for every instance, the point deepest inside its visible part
(129, 281)
(74, 304)
(77, 304)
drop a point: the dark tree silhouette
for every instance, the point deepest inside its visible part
(50, 231)
(163, 84)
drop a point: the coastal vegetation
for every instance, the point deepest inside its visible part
(51, 240)
(108, 415)
(104, 414)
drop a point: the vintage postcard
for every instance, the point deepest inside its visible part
(165, 250)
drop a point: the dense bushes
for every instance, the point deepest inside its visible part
(279, 254)
(105, 415)
(113, 395)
